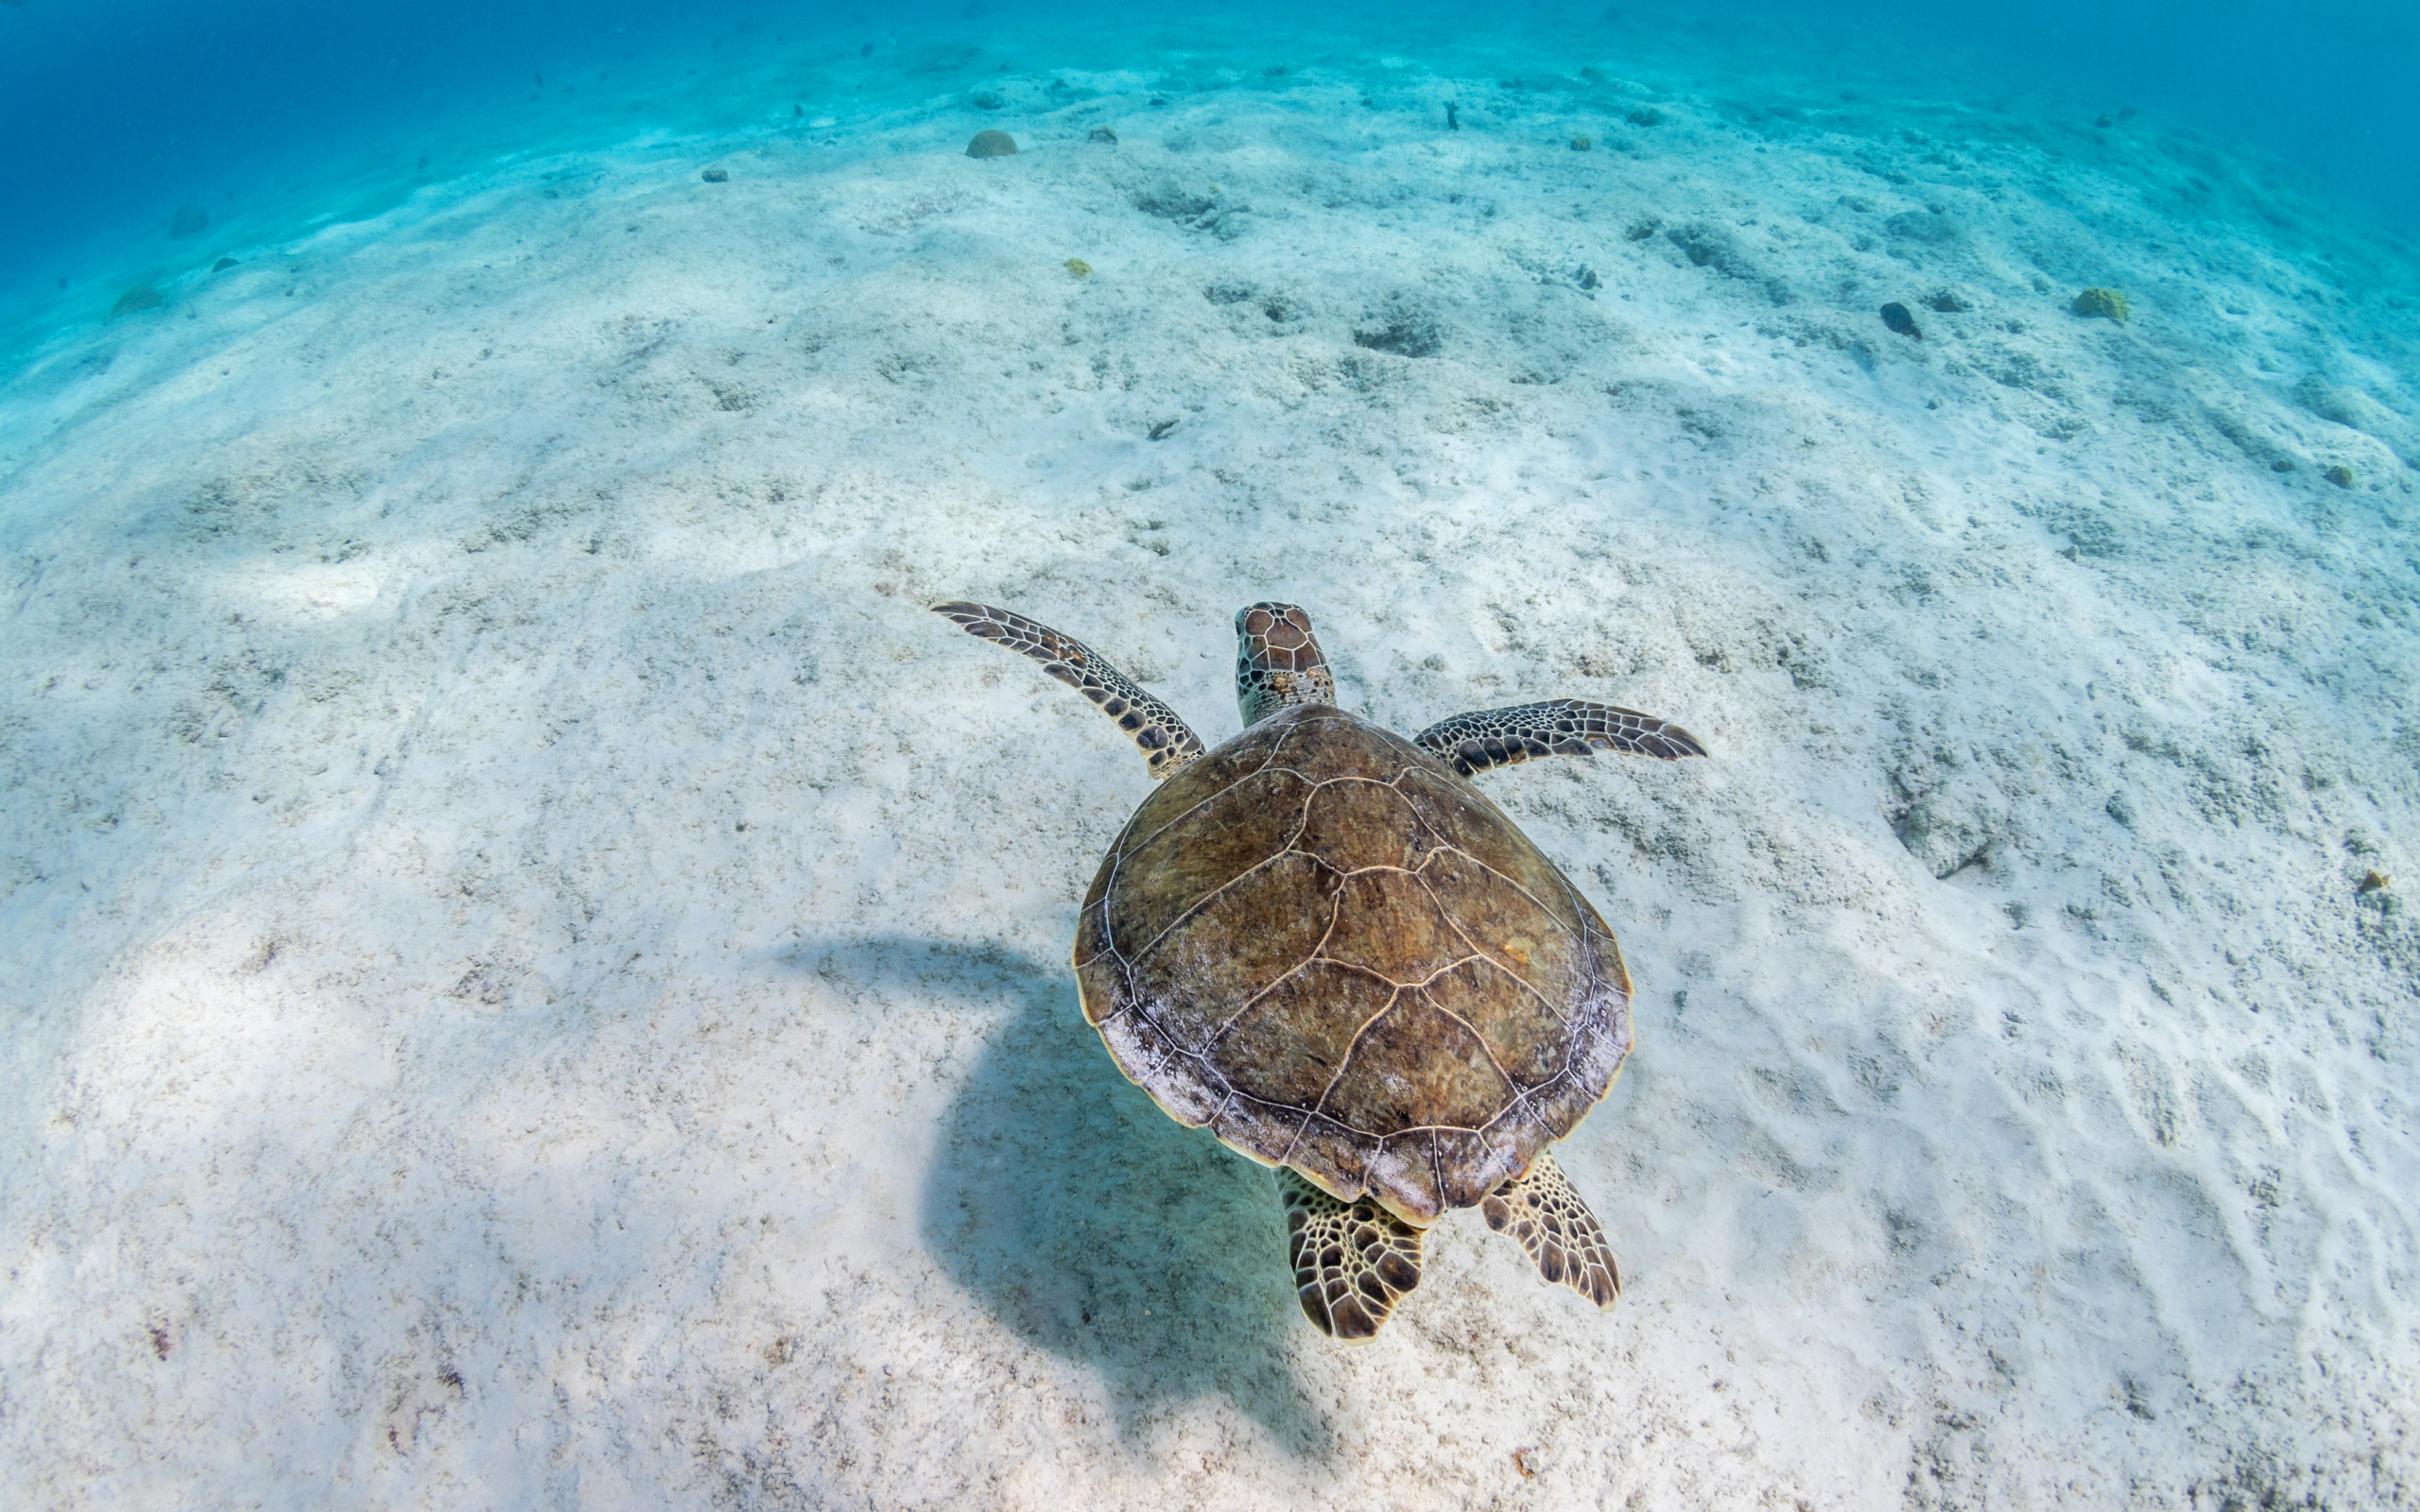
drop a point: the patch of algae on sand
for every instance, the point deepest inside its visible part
(1080, 267)
(2101, 301)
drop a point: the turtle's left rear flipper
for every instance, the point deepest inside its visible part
(1165, 741)
(1486, 738)
(1353, 1261)
(1544, 1212)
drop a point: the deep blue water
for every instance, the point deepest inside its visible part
(118, 112)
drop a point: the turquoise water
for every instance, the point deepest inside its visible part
(268, 118)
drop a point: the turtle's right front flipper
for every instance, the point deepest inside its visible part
(1353, 1261)
(1166, 743)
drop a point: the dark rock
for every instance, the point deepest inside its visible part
(1896, 318)
(189, 220)
(797, 111)
(1582, 144)
(987, 100)
(1641, 229)
(992, 145)
(1102, 134)
(2340, 474)
(1453, 116)
(1588, 278)
(1948, 302)
(1645, 115)
(223, 264)
(2104, 123)
(866, 51)
(141, 297)
(716, 176)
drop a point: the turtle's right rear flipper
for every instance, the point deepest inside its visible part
(1353, 1261)
(1544, 1212)
(1166, 743)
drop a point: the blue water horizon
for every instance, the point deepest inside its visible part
(125, 115)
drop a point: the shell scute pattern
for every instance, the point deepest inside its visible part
(1339, 956)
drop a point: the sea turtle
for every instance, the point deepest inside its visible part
(1322, 941)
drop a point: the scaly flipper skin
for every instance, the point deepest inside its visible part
(1166, 743)
(1353, 1261)
(1487, 738)
(1544, 1212)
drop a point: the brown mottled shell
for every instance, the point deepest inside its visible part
(1337, 954)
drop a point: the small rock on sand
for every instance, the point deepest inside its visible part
(2340, 474)
(2108, 302)
(1102, 134)
(992, 145)
(189, 220)
(1895, 316)
(1582, 144)
(223, 264)
(141, 297)
(716, 176)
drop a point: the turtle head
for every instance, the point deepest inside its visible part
(1278, 661)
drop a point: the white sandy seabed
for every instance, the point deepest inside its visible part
(535, 969)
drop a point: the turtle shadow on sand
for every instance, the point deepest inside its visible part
(1089, 1222)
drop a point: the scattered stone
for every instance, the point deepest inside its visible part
(1160, 432)
(1582, 144)
(1948, 302)
(189, 220)
(2340, 474)
(797, 111)
(1588, 278)
(2104, 123)
(1453, 116)
(2374, 881)
(223, 264)
(1103, 135)
(992, 145)
(141, 297)
(2101, 301)
(1528, 1461)
(716, 176)
(1641, 229)
(1080, 267)
(986, 101)
(2283, 464)
(1895, 317)
(1645, 115)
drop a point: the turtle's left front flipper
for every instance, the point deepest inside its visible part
(1544, 1212)
(1486, 738)
(1165, 741)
